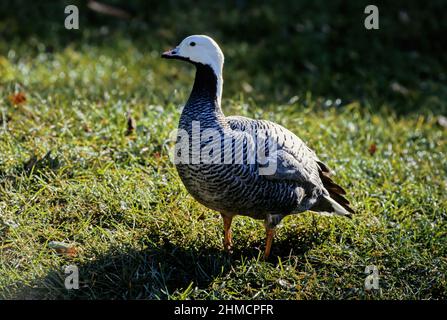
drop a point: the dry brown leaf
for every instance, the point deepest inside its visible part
(17, 98)
(63, 248)
(372, 149)
(131, 124)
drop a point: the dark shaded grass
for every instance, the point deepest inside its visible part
(159, 270)
(284, 48)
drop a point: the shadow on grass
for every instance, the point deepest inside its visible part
(33, 166)
(160, 271)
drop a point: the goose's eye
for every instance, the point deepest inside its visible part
(192, 44)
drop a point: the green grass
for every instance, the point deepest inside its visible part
(138, 233)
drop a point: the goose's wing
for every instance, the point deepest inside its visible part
(293, 159)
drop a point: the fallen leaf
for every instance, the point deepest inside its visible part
(63, 248)
(17, 98)
(372, 149)
(131, 124)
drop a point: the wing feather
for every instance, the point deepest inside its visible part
(295, 161)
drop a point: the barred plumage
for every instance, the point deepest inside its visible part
(213, 173)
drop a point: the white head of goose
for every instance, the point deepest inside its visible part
(226, 181)
(202, 51)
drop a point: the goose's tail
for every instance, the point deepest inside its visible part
(335, 203)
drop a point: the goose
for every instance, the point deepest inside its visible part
(215, 158)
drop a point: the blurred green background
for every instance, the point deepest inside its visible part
(284, 48)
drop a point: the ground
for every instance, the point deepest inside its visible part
(73, 171)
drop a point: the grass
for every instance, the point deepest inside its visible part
(70, 173)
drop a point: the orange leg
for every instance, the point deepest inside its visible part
(269, 240)
(228, 243)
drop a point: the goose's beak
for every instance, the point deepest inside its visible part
(171, 54)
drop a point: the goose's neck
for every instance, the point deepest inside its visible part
(206, 93)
